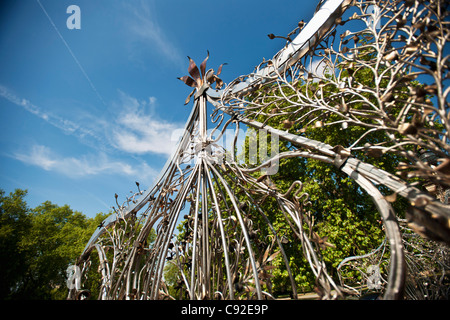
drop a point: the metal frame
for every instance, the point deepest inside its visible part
(220, 197)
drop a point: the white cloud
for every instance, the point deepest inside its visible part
(84, 165)
(39, 156)
(139, 131)
(93, 130)
(27, 105)
(133, 128)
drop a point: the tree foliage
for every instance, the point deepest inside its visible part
(345, 218)
(37, 245)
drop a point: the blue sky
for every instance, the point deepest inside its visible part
(86, 113)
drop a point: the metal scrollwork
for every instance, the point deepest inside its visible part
(379, 68)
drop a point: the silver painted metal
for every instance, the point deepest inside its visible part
(215, 202)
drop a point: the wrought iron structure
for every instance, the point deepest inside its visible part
(318, 79)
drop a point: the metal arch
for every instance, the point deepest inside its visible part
(361, 174)
(322, 20)
(207, 184)
(307, 39)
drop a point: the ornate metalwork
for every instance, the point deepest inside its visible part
(371, 81)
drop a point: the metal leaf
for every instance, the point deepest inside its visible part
(189, 81)
(189, 97)
(219, 82)
(266, 253)
(391, 198)
(272, 256)
(444, 167)
(219, 70)
(203, 65)
(210, 77)
(194, 72)
(269, 267)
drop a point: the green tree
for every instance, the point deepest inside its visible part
(343, 213)
(37, 246)
(14, 225)
(57, 236)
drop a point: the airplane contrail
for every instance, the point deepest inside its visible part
(71, 53)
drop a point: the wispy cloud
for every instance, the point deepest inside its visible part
(66, 125)
(134, 128)
(84, 165)
(140, 131)
(9, 95)
(144, 28)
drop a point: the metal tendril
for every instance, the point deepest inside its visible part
(355, 66)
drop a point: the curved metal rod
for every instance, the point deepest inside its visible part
(317, 27)
(343, 262)
(280, 245)
(373, 173)
(222, 234)
(135, 207)
(173, 217)
(397, 274)
(244, 231)
(194, 241)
